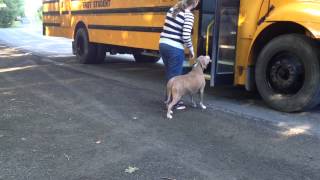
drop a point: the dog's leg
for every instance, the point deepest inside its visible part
(169, 92)
(169, 111)
(194, 104)
(174, 101)
(201, 98)
(168, 97)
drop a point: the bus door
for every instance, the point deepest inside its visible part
(65, 14)
(224, 39)
(207, 18)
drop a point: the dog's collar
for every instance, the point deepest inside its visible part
(198, 63)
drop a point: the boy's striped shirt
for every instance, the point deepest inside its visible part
(177, 31)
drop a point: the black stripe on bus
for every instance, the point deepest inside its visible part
(55, 13)
(51, 13)
(127, 28)
(123, 10)
(50, 1)
(51, 24)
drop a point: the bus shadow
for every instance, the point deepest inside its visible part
(126, 65)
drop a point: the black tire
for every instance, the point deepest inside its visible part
(140, 58)
(288, 73)
(101, 54)
(85, 51)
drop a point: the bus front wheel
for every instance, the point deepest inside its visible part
(288, 73)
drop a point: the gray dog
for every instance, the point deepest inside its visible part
(190, 83)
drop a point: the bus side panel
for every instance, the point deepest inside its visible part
(107, 29)
(115, 4)
(132, 29)
(142, 40)
(119, 23)
(51, 17)
(56, 19)
(61, 18)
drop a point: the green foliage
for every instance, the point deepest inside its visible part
(39, 13)
(13, 9)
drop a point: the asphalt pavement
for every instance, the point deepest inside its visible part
(63, 120)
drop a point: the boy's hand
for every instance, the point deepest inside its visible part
(192, 55)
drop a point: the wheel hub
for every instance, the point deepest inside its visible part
(286, 74)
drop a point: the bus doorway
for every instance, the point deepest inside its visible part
(206, 22)
(219, 23)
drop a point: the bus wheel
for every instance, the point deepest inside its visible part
(85, 51)
(140, 58)
(288, 73)
(101, 54)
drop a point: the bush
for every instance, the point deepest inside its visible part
(9, 13)
(39, 13)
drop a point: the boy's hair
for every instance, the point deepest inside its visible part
(182, 5)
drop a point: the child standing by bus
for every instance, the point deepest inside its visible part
(175, 37)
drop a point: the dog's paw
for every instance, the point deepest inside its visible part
(169, 116)
(171, 112)
(203, 106)
(194, 105)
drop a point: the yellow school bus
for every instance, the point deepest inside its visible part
(268, 45)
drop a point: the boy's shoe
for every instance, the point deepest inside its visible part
(180, 106)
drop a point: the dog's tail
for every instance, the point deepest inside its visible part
(169, 93)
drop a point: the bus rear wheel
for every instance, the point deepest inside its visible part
(100, 54)
(87, 52)
(288, 73)
(140, 58)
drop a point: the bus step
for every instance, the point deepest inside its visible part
(227, 47)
